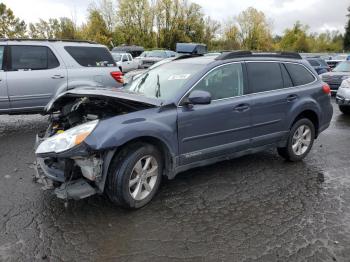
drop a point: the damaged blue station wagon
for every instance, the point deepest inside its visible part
(190, 112)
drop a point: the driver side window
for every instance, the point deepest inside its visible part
(223, 82)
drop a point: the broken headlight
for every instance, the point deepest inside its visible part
(66, 140)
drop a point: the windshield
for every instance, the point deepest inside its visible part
(340, 57)
(342, 67)
(160, 54)
(117, 57)
(164, 81)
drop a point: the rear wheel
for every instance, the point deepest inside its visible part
(134, 176)
(345, 109)
(300, 141)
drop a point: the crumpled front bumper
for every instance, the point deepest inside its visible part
(77, 171)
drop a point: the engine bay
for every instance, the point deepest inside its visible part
(73, 111)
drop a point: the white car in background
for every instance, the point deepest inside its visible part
(343, 97)
(125, 62)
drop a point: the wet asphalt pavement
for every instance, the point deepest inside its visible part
(255, 208)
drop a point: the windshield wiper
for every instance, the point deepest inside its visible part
(158, 87)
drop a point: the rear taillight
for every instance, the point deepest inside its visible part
(118, 76)
(326, 89)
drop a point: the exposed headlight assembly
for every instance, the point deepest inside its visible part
(66, 140)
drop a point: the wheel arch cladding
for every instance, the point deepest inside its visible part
(311, 115)
(167, 156)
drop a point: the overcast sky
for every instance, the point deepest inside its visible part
(320, 15)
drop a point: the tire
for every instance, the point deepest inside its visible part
(126, 170)
(302, 144)
(345, 109)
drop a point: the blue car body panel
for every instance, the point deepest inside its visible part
(202, 134)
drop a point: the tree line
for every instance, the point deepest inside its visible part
(163, 23)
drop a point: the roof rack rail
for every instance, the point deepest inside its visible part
(185, 56)
(240, 54)
(47, 39)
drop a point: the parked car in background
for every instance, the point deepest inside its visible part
(318, 64)
(34, 71)
(125, 62)
(134, 50)
(183, 50)
(148, 58)
(187, 113)
(337, 75)
(213, 54)
(335, 60)
(343, 97)
(130, 76)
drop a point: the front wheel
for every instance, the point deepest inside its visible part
(134, 176)
(300, 140)
(345, 109)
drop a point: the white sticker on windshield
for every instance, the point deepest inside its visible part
(179, 77)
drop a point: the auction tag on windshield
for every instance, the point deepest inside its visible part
(179, 77)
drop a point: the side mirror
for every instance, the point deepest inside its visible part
(199, 97)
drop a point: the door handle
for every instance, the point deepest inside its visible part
(57, 77)
(241, 108)
(292, 98)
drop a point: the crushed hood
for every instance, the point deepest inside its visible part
(114, 93)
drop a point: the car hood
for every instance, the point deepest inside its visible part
(114, 93)
(336, 74)
(152, 59)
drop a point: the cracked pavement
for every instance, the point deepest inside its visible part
(254, 208)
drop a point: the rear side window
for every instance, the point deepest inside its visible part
(2, 51)
(32, 58)
(264, 76)
(91, 56)
(299, 74)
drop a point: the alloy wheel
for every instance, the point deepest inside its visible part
(301, 140)
(143, 177)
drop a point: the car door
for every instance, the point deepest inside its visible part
(34, 75)
(221, 127)
(125, 63)
(133, 64)
(4, 99)
(271, 98)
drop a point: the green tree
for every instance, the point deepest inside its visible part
(96, 30)
(211, 28)
(347, 33)
(295, 39)
(135, 22)
(108, 11)
(44, 29)
(255, 31)
(10, 25)
(231, 36)
(63, 28)
(179, 21)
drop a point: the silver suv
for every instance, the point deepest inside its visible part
(32, 72)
